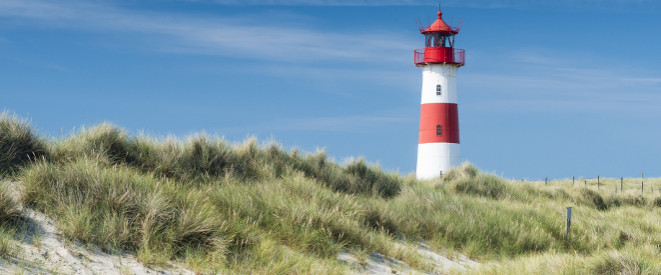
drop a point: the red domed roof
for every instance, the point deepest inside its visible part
(440, 26)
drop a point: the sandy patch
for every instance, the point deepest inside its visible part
(379, 264)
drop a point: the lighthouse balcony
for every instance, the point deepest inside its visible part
(439, 55)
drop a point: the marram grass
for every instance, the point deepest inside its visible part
(250, 208)
(18, 143)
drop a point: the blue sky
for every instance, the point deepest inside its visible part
(550, 88)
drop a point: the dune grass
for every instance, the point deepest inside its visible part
(18, 143)
(250, 208)
(10, 213)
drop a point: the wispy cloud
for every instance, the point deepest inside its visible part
(611, 5)
(535, 83)
(235, 36)
(344, 124)
(317, 2)
(358, 123)
(642, 80)
(40, 64)
(35, 9)
(482, 4)
(402, 78)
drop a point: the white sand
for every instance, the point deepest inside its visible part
(379, 264)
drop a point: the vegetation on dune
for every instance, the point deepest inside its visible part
(10, 206)
(118, 208)
(262, 209)
(200, 159)
(10, 216)
(18, 143)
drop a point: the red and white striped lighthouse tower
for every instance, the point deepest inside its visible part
(438, 141)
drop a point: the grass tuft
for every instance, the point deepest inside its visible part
(10, 204)
(8, 247)
(373, 180)
(19, 144)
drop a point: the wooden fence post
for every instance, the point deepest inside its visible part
(572, 180)
(621, 184)
(568, 224)
(597, 182)
(546, 180)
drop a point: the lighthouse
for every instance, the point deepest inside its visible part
(438, 140)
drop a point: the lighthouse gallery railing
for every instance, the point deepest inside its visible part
(440, 55)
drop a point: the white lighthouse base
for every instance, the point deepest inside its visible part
(434, 158)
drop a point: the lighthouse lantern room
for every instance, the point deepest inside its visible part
(438, 140)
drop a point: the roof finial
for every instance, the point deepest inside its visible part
(440, 13)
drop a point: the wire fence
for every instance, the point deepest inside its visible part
(633, 186)
(613, 185)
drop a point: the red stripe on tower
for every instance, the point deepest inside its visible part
(439, 122)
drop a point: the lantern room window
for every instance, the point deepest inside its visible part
(439, 40)
(434, 40)
(439, 130)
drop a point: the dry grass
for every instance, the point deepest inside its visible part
(249, 208)
(18, 143)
